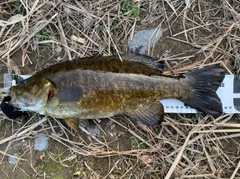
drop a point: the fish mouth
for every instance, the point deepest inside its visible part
(25, 101)
(9, 110)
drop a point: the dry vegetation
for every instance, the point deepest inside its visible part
(196, 33)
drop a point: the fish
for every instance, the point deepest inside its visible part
(101, 87)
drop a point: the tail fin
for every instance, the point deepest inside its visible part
(202, 86)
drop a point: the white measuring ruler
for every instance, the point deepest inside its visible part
(228, 92)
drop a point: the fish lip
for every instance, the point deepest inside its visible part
(9, 110)
(14, 104)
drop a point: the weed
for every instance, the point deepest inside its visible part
(130, 9)
(3, 123)
(188, 154)
(215, 154)
(191, 116)
(138, 144)
(167, 164)
(19, 154)
(43, 35)
(84, 172)
(17, 3)
(117, 24)
(40, 167)
(172, 116)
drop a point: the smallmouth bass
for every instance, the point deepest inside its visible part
(99, 87)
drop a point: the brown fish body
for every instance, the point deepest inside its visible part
(100, 87)
(104, 94)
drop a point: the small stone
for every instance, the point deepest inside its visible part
(58, 49)
(142, 39)
(41, 142)
(94, 130)
(111, 176)
(13, 160)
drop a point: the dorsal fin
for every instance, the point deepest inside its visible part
(147, 60)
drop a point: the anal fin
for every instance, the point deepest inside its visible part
(151, 115)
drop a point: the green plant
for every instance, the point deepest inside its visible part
(172, 116)
(40, 167)
(19, 154)
(167, 164)
(188, 154)
(43, 35)
(117, 24)
(85, 172)
(215, 155)
(191, 116)
(3, 123)
(17, 3)
(138, 144)
(130, 8)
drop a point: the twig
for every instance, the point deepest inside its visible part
(63, 38)
(235, 171)
(179, 156)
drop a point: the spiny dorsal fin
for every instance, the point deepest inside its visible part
(151, 115)
(147, 60)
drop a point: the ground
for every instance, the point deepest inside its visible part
(36, 34)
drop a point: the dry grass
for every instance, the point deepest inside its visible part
(195, 35)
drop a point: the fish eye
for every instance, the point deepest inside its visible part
(22, 83)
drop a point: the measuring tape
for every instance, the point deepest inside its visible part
(228, 92)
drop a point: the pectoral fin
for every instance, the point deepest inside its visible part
(72, 122)
(72, 94)
(151, 115)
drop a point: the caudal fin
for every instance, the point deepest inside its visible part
(202, 86)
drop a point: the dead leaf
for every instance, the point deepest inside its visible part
(146, 159)
(225, 62)
(42, 156)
